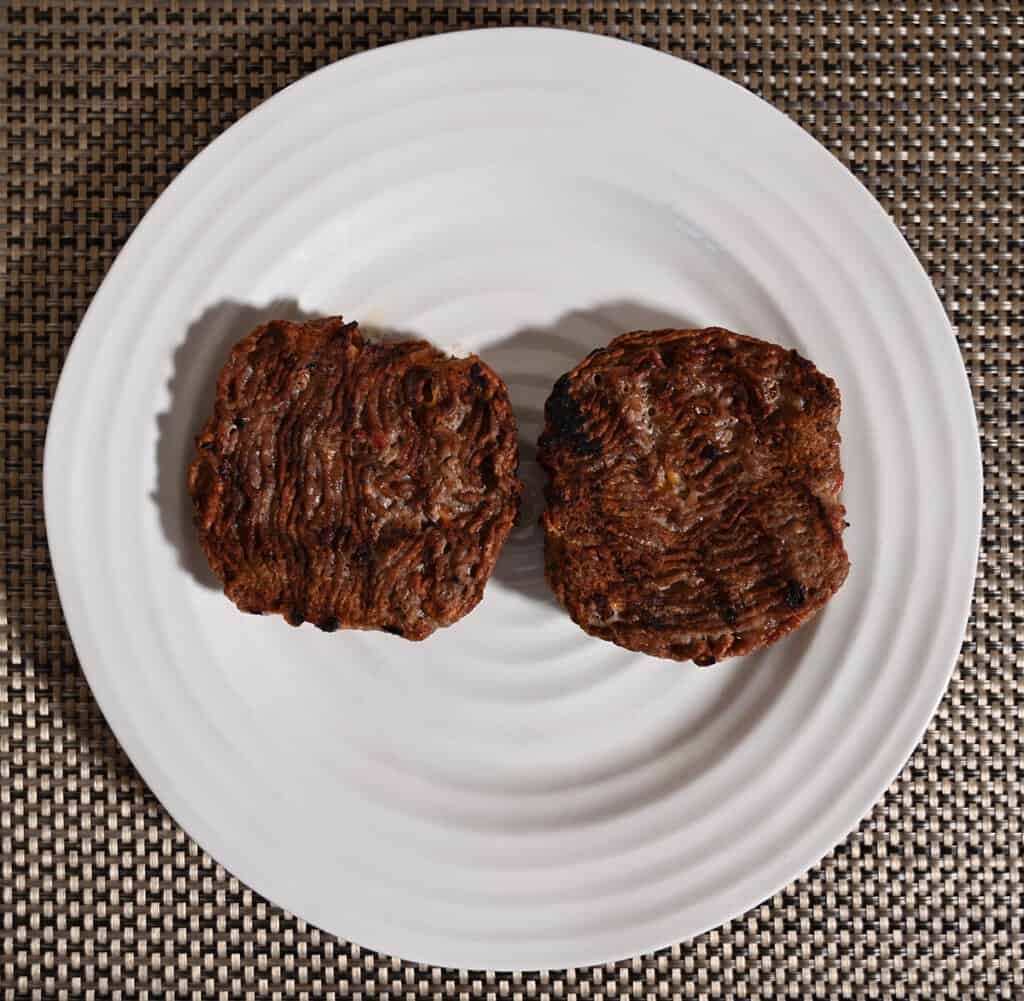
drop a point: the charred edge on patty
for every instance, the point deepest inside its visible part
(565, 421)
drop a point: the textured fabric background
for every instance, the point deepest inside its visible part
(101, 894)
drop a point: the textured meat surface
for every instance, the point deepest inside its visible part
(693, 493)
(354, 485)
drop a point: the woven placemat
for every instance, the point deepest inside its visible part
(102, 895)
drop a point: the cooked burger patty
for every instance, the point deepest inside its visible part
(693, 493)
(354, 485)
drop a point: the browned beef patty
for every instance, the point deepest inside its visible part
(693, 493)
(355, 485)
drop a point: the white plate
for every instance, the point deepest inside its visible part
(512, 793)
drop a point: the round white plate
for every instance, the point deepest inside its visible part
(512, 793)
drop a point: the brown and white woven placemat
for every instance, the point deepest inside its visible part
(102, 895)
